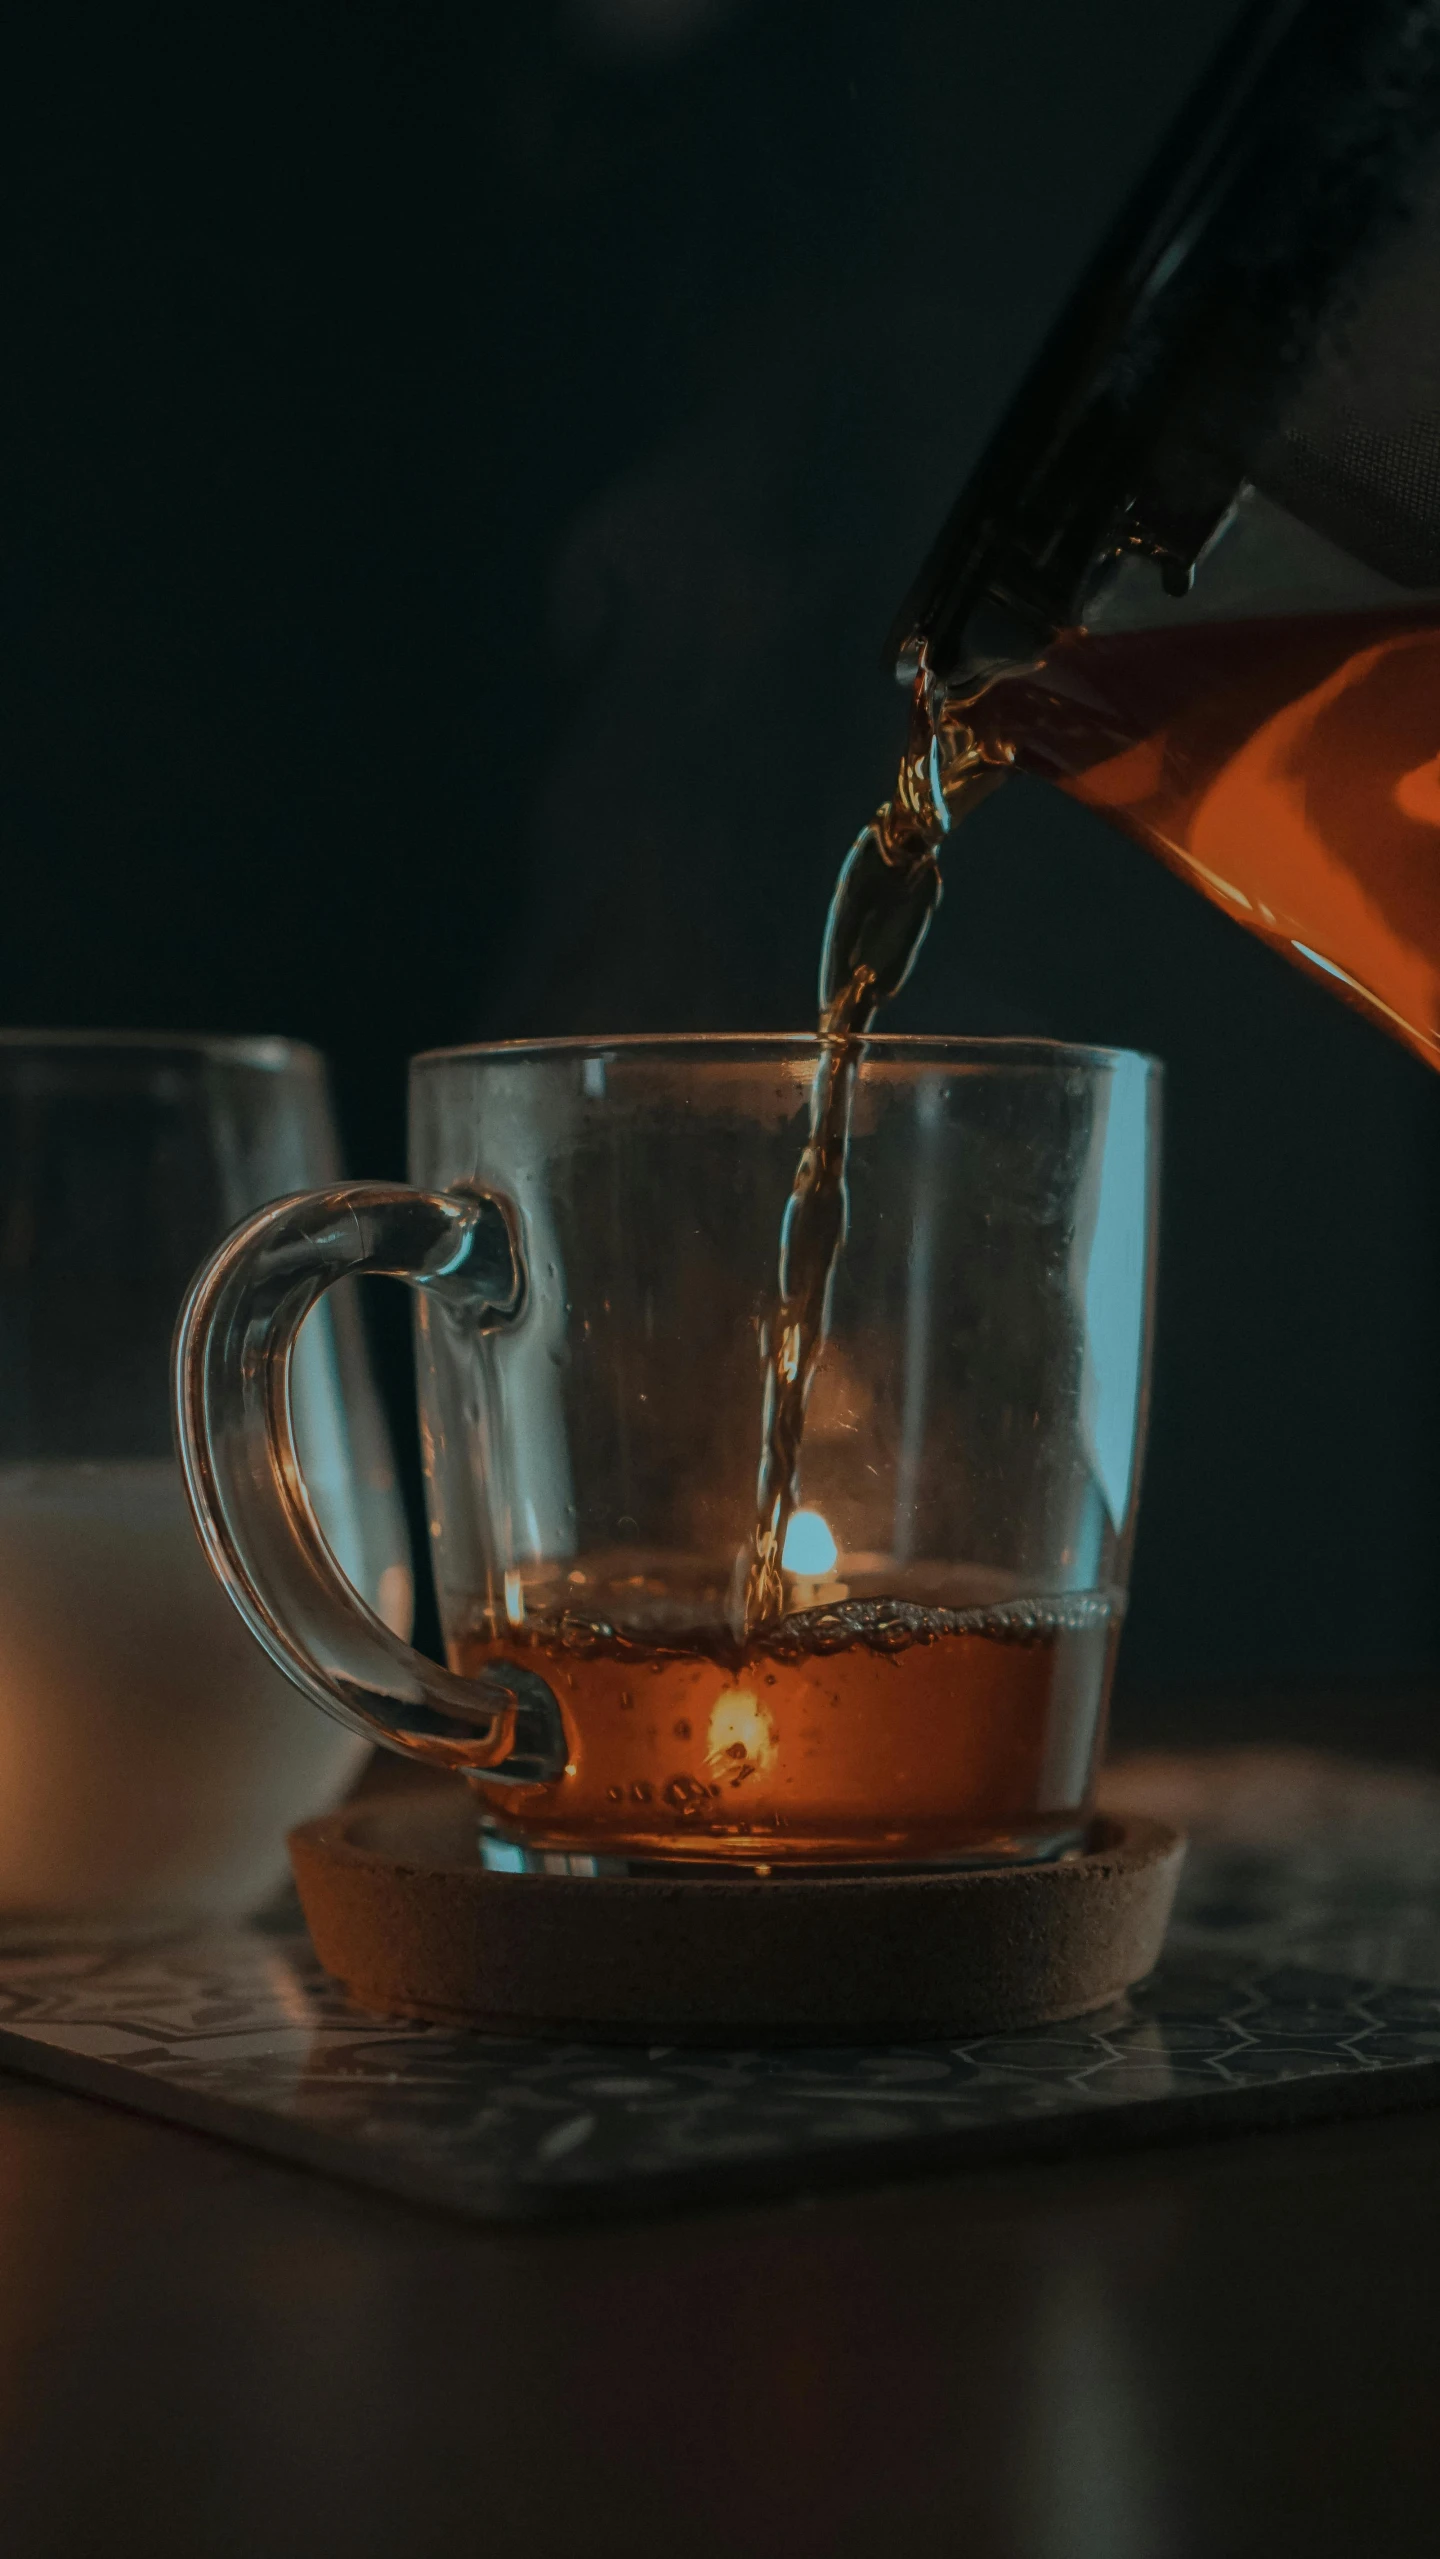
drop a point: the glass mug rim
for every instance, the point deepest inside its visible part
(271, 1052)
(900, 1048)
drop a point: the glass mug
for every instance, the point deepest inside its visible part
(150, 1758)
(592, 1243)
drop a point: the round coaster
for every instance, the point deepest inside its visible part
(401, 1910)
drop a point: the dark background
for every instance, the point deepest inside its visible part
(457, 466)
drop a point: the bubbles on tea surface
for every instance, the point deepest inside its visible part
(583, 1636)
(894, 1625)
(685, 1795)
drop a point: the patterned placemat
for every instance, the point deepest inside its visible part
(1302, 1979)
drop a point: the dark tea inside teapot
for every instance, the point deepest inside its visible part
(1195, 580)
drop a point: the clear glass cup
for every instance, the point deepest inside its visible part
(592, 1242)
(151, 1759)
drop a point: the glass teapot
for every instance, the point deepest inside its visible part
(1195, 580)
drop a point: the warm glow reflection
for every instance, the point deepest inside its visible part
(809, 1547)
(740, 1733)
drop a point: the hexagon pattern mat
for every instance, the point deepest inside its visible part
(1302, 1979)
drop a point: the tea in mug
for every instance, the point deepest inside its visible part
(876, 1730)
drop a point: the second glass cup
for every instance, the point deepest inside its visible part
(150, 1759)
(594, 1253)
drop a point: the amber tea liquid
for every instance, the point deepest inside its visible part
(1288, 766)
(873, 1730)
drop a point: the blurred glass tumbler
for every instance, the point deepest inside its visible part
(151, 1759)
(593, 1250)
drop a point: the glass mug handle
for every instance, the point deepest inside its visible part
(233, 1349)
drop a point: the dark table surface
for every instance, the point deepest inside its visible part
(1217, 2348)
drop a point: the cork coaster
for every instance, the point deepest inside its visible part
(402, 1912)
